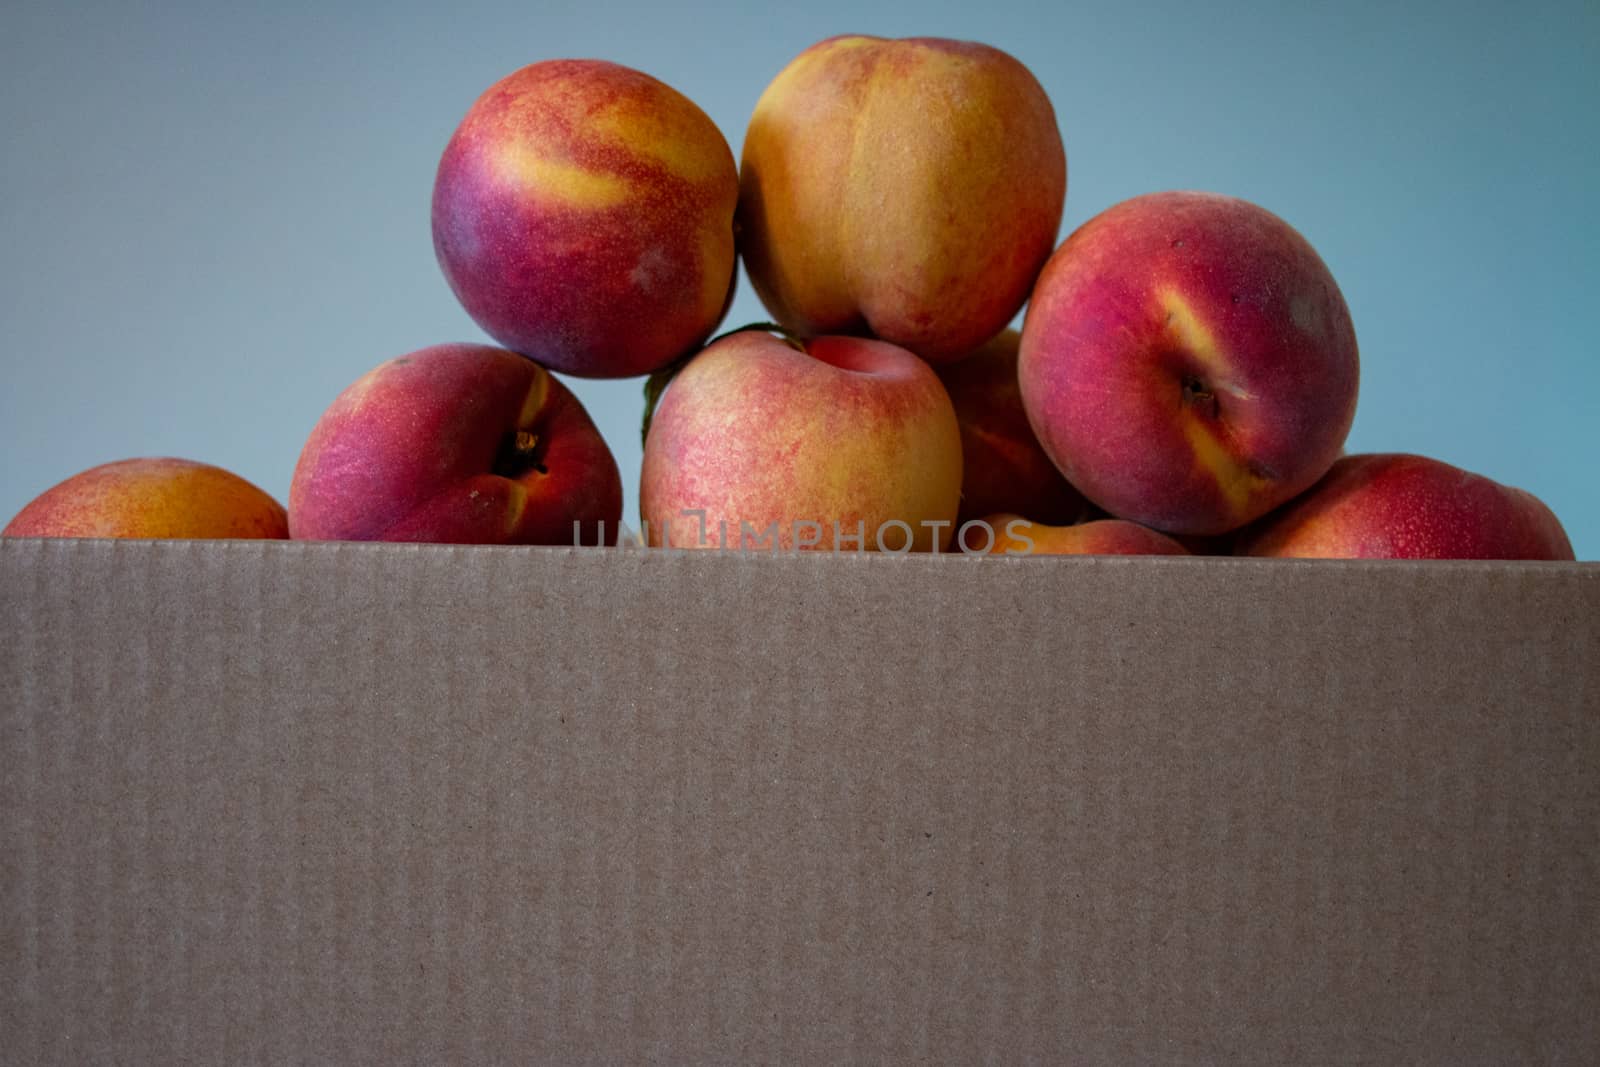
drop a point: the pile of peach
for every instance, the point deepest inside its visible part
(1184, 379)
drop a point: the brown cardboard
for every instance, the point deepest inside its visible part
(281, 803)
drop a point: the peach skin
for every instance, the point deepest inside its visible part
(456, 443)
(152, 498)
(1188, 362)
(908, 189)
(1003, 467)
(1014, 535)
(831, 443)
(583, 215)
(1398, 506)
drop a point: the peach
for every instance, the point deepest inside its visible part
(456, 443)
(830, 443)
(1188, 362)
(1398, 506)
(1003, 467)
(152, 498)
(583, 215)
(1014, 535)
(909, 189)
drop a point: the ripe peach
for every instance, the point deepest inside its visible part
(456, 443)
(832, 442)
(1003, 467)
(910, 189)
(1014, 535)
(583, 214)
(1398, 506)
(152, 498)
(1189, 362)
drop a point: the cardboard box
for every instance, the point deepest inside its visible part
(282, 803)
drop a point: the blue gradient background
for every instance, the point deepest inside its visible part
(213, 220)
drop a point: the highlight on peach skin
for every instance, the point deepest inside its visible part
(583, 215)
(829, 440)
(1400, 506)
(1189, 362)
(910, 189)
(456, 443)
(160, 497)
(1014, 535)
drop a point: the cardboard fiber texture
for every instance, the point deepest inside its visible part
(286, 803)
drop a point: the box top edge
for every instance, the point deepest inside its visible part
(40, 545)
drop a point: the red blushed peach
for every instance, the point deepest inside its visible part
(456, 443)
(152, 498)
(1014, 535)
(834, 443)
(583, 215)
(1188, 362)
(1003, 467)
(908, 189)
(1397, 506)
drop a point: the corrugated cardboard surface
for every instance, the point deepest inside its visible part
(277, 803)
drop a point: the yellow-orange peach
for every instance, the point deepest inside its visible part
(152, 498)
(908, 189)
(1014, 535)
